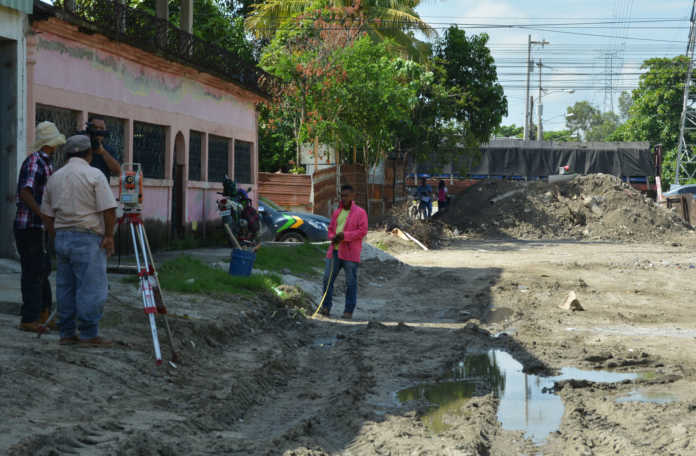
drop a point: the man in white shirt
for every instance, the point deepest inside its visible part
(80, 211)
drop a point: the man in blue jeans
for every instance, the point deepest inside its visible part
(347, 229)
(80, 211)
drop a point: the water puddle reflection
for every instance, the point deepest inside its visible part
(526, 403)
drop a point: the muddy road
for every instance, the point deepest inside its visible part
(459, 351)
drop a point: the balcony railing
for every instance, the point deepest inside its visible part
(158, 36)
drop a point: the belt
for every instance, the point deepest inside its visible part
(80, 230)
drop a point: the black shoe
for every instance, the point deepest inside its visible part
(324, 312)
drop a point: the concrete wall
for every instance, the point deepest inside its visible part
(12, 118)
(93, 75)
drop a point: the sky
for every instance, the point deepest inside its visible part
(575, 59)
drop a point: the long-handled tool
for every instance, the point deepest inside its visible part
(328, 284)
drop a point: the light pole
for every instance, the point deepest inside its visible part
(540, 128)
(527, 110)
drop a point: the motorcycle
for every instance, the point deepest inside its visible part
(238, 215)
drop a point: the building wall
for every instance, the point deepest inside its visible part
(90, 74)
(13, 24)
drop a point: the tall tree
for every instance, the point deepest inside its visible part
(656, 110)
(582, 117)
(603, 128)
(508, 131)
(382, 19)
(463, 104)
(625, 103)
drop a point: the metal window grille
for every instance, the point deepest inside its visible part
(66, 122)
(116, 142)
(149, 148)
(218, 158)
(195, 150)
(242, 162)
(145, 31)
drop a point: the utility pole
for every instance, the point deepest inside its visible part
(525, 135)
(686, 154)
(530, 65)
(540, 107)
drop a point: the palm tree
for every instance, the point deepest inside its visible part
(393, 19)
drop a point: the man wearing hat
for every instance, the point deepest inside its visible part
(80, 211)
(29, 229)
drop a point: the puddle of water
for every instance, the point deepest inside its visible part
(524, 405)
(644, 396)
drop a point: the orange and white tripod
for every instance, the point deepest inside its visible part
(131, 199)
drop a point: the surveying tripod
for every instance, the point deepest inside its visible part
(131, 198)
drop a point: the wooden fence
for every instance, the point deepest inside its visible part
(318, 193)
(289, 191)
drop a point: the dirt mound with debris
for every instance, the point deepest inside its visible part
(429, 232)
(593, 207)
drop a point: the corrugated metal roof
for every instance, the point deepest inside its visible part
(24, 6)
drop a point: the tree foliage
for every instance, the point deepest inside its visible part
(217, 22)
(337, 86)
(460, 105)
(508, 131)
(382, 19)
(656, 110)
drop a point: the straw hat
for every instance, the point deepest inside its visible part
(48, 135)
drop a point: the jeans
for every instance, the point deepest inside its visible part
(428, 206)
(351, 269)
(36, 267)
(81, 283)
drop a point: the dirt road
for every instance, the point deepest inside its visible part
(458, 324)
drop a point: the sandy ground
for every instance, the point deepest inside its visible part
(257, 380)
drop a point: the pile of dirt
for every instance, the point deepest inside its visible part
(594, 207)
(429, 232)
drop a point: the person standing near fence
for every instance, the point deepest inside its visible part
(347, 229)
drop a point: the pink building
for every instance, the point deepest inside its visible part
(186, 111)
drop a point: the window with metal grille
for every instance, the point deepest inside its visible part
(218, 158)
(116, 141)
(195, 150)
(149, 148)
(242, 162)
(66, 122)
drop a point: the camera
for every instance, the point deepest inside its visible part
(94, 134)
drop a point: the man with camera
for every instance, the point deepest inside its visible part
(102, 158)
(80, 212)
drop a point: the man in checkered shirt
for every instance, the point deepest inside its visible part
(29, 227)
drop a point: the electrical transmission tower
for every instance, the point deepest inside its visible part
(609, 81)
(686, 155)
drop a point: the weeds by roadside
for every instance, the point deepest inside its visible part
(189, 275)
(300, 259)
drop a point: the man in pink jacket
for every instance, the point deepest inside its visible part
(347, 229)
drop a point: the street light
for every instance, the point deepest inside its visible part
(540, 128)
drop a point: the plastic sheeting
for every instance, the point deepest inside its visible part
(515, 158)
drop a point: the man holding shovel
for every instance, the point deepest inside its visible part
(347, 229)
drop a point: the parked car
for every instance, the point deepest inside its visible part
(285, 226)
(684, 189)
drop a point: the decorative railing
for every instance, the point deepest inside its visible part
(158, 36)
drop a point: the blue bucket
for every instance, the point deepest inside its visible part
(242, 262)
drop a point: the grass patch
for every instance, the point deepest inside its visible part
(189, 275)
(300, 259)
